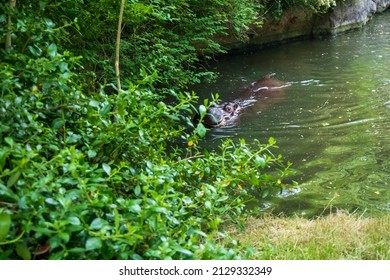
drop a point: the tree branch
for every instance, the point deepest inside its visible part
(118, 42)
(12, 4)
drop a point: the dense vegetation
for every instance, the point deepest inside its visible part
(88, 171)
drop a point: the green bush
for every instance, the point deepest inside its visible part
(170, 37)
(88, 174)
(90, 177)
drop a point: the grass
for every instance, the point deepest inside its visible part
(336, 236)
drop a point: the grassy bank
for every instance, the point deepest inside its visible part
(337, 236)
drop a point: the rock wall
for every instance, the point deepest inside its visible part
(348, 15)
(298, 23)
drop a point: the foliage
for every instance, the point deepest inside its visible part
(88, 174)
(85, 177)
(277, 7)
(169, 37)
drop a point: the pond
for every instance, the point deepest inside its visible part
(332, 122)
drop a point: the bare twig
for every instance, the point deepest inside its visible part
(12, 4)
(192, 157)
(118, 42)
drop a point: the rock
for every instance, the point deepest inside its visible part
(348, 15)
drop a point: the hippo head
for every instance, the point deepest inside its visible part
(222, 114)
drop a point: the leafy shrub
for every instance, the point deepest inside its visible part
(90, 177)
(95, 175)
(168, 37)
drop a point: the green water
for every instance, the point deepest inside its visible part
(332, 122)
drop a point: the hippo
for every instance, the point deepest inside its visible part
(222, 114)
(227, 113)
(267, 83)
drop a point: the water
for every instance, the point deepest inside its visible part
(332, 121)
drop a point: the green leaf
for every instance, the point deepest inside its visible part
(23, 251)
(9, 141)
(271, 141)
(76, 250)
(42, 230)
(183, 251)
(136, 257)
(137, 190)
(5, 225)
(39, 104)
(64, 67)
(201, 130)
(55, 241)
(73, 228)
(202, 110)
(74, 221)
(64, 236)
(106, 109)
(53, 147)
(93, 243)
(264, 193)
(57, 123)
(94, 103)
(57, 256)
(13, 179)
(52, 50)
(116, 218)
(201, 233)
(107, 168)
(51, 201)
(4, 191)
(91, 154)
(254, 180)
(187, 200)
(97, 224)
(223, 198)
(3, 158)
(160, 210)
(35, 50)
(207, 204)
(73, 138)
(135, 208)
(260, 161)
